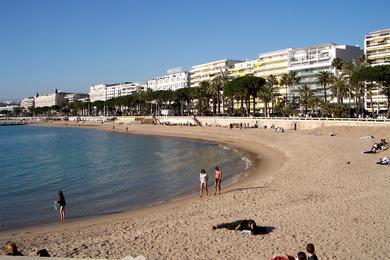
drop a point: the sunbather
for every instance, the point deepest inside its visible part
(245, 224)
(384, 161)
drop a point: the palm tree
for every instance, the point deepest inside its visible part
(385, 90)
(339, 88)
(204, 96)
(305, 94)
(270, 90)
(337, 63)
(353, 71)
(294, 80)
(285, 80)
(324, 78)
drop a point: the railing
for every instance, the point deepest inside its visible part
(301, 119)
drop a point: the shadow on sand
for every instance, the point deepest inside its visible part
(247, 188)
(264, 230)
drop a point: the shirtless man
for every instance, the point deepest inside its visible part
(218, 180)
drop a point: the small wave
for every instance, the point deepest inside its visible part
(224, 147)
(248, 163)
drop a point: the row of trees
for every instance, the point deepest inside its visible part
(239, 96)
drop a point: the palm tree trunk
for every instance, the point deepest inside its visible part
(219, 102)
(388, 107)
(325, 92)
(242, 106)
(286, 96)
(372, 103)
(254, 105)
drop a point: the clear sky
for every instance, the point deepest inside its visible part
(71, 44)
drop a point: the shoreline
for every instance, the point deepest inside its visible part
(236, 181)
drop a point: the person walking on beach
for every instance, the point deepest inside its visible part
(62, 204)
(218, 180)
(203, 182)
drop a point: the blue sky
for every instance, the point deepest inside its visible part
(71, 44)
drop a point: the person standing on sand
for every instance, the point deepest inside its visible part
(62, 204)
(218, 180)
(203, 182)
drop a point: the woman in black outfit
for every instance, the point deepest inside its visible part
(62, 205)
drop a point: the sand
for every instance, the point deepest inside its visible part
(300, 187)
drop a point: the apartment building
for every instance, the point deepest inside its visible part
(175, 79)
(309, 62)
(209, 71)
(104, 92)
(377, 52)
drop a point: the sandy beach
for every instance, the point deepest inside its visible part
(300, 187)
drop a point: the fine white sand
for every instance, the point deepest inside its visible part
(300, 187)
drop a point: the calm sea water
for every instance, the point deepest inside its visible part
(99, 172)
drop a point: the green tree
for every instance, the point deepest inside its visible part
(204, 97)
(337, 63)
(324, 78)
(305, 94)
(285, 81)
(339, 88)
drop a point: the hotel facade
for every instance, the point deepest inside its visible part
(377, 52)
(104, 92)
(307, 62)
(48, 100)
(208, 71)
(174, 80)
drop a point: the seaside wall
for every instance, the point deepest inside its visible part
(286, 123)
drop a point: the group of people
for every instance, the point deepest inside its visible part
(204, 178)
(378, 147)
(12, 250)
(249, 226)
(300, 256)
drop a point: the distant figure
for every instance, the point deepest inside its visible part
(12, 249)
(127, 129)
(218, 180)
(43, 253)
(311, 251)
(245, 224)
(62, 203)
(113, 128)
(333, 133)
(204, 178)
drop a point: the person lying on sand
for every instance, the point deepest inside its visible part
(333, 133)
(384, 161)
(242, 225)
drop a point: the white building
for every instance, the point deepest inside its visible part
(208, 71)
(377, 51)
(28, 102)
(48, 100)
(104, 92)
(309, 62)
(175, 79)
(72, 97)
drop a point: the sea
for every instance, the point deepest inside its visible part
(99, 172)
